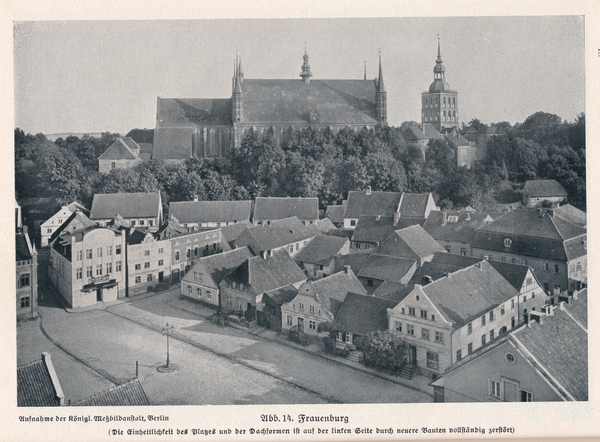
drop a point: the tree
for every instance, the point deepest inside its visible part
(384, 349)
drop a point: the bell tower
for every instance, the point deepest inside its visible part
(305, 74)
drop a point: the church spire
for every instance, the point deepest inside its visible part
(381, 97)
(380, 85)
(305, 74)
(240, 71)
(439, 69)
(365, 69)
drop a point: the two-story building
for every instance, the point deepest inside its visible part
(269, 209)
(142, 210)
(148, 260)
(88, 266)
(317, 258)
(48, 227)
(210, 214)
(454, 315)
(26, 274)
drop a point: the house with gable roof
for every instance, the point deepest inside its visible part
(26, 274)
(371, 203)
(140, 209)
(545, 360)
(268, 209)
(318, 302)
(372, 230)
(201, 282)
(210, 214)
(48, 227)
(410, 243)
(38, 385)
(453, 316)
(539, 191)
(317, 258)
(122, 154)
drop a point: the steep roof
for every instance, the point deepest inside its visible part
(121, 149)
(354, 260)
(220, 264)
(544, 188)
(193, 111)
(578, 308)
(262, 275)
(414, 205)
(570, 214)
(335, 213)
(129, 394)
(361, 315)
(321, 249)
(128, 205)
(414, 133)
(430, 131)
(468, 293)
(172, 143)
(278, 234)
(272, 208)
(141, 136)
(393, 291)
(560, 346)
(457, 140)
(210, 211)
(411, 243)
(77, 218)
(386, 268)
(333, 289)
(373, 203)
(280, 296)
(374, 229)
(459, 226)
(38, 385)
(23, 248)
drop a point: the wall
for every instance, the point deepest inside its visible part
(148, 256)
(292, 308)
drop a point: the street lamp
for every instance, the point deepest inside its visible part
(167, 328)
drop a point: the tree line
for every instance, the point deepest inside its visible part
(319, 164)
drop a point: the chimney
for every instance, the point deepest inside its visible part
(195, 198)
(396, 218)
(537, 316)
(25, 229)
(468, 216)
(426, 280)
(444, 217)
(368, 191)
(549, 310)
(575, 295)
(347, 269)
(263, 254)
(378, 217)
(561, 305)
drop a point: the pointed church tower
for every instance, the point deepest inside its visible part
(381, 98)
(440, 104)
(237, 99)
(305, 74)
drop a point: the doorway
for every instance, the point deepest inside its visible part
(301, 325)
(99, 294)
(161, 276)
(412, 354)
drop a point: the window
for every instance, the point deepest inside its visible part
(138, 267)
(177, 255)
(546, 267)
(113, 164)
(448, 249)
(99, 270)
(228, 302)
(25, 301)
(24, 280)
(132, 222)
(290, 320)
(495, 388)
(79, 255)
(402, 310)
(507, 242)
(482, 339)
(369, 283)
(108, 250)
(439, 337)
(470, 348)
(147, 265)
(149, 277)
(502, 310)
(151, 222)
(424, 314)
(469, 328)
(146, 252)
(88, 253)
(108, 267)
(88, 271)
(555, 268)
(525, 396)
(312, 325)
(298, 248)
(199, 292)
(353, 222)
(492, 316)
(510, 358)
(512, 304)
(491, 335)
(433, 317)
(80, 273)
(99, 252)
(425, 334)
(117, 266)
(458, 355)
(411, 311)
(311, 308)
(161, 250)
(410, 330)
(524, 262)
(433, 361)
(512, 322)
(483, 320)
(188, 253)
(398, 327)
(463, 251)
(301, 305)
(142, 222)
(161, 262)
(208, 294)
(524, 298)
(138, 279)
(513, 260)
(118, 249)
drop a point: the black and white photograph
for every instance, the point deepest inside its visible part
(286, 225)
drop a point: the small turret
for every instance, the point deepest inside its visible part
(306, 74)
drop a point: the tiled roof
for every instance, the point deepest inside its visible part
(128, 205)
(321, 249)
(121, 149)
(570, 214)
(23, 247)
(76, 206)
(130, 394)
(141, 136)
(430, 132)
(354, 260)
(280, 296)
(333, 289)
(460, 229)
(291, 101)
(219, 265)
(210, 211)
(470, 292)
(387, 268)
(414, 133)
(542, 188)
(76, 218)
(414, 205)
(335, 213)
(193, 111)
(37, 384)
(533, 223)
(361, 315)
(262, 275)
(172, 143)
(372, 230)
(560, 346)
(393, 291)
(278, 234)
(231, 232)
(272, 208)
(457, 140)
(579, 308)
(374, 203)
(411, 242)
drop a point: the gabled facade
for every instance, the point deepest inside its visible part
(412, 243)
(268, 209)
(51, 225)
(148, 261)
(88, 266)
(124, 153)
(210, 214)
(140, 209)
(539, 191)
(317, 258)
(380, 268)
(453, 316)
(372, 230)
(372, 203)
(26, 275)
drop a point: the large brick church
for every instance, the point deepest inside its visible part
(209, 128)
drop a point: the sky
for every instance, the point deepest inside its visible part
(97, 76)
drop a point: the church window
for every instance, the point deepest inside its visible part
(454, 103)
(444, 101)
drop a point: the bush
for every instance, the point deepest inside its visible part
(383, 349)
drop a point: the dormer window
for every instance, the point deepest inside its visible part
(453, 219)
(507, 242)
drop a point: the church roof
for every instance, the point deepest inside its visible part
(194, 111)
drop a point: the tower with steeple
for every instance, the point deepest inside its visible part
(305, 74)
(439, 105)
(237, 98)
(380, 97)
